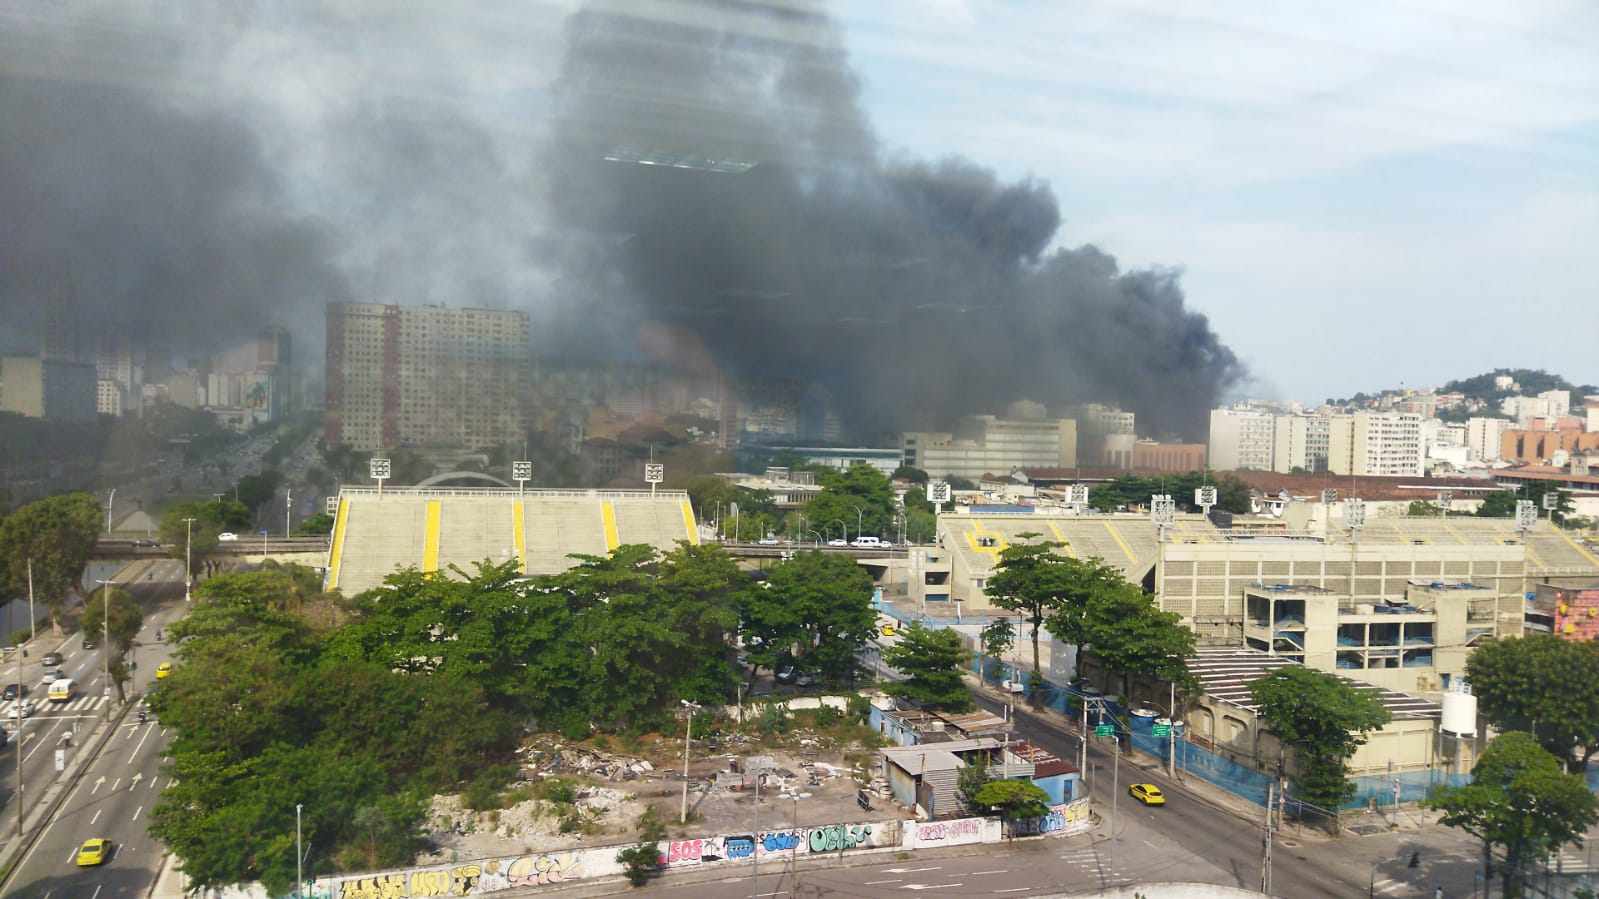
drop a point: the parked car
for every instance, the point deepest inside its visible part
(807, 678)
(787, 674)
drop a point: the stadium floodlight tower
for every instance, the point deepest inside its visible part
(654, 473)
(1329, 497)
(1162, 512)
(1205, 499)
(1526, 516)
(1077, 496)
(1551, 502)
(380, 469)
(1354, 517)
(1445, 497)
(521, 473)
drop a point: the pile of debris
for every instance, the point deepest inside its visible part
(554, 758)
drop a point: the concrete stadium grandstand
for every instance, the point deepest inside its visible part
(433, 528)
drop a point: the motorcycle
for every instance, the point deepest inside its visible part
(142, 716)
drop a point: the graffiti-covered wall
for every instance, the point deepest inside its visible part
(521, 871)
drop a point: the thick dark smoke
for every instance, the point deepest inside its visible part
(165, 226)
(690, 180)
(917, 291)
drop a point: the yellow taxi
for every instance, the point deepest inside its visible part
(888, 630)
(162, 670)
(1148, 794)
(93, 852)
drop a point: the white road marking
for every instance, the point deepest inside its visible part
(872, 883)
(1000, 871)
(96, 815)
(136, 812)
(1013, 890)
(116, 783)
(931, 886)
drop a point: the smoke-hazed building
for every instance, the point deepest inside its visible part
(250, 383)
(1242, 439)
(985, 444)
(40, 387)
(425, 376)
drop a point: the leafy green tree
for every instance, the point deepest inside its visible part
(1325, 719)
(909, 473)
(860, 498)
(1130, 635)
(1420, 508)
(1521, 800)
(255, 490)
(817, 605)
(1502, 503)
(197, 540)
(931, 660)
(997, 638)
(1015, 800)
(319, 524)
(1042, 585)
(970, 781)
(57, 536)
(1232, 494)
(1542, 684)
(920, 526)
(114, 619)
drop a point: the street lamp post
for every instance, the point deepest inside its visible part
(188, 564)
(859, 528)
(299, 856)
(843, 529)
(688, 730)
(110, 504)
(288, 510)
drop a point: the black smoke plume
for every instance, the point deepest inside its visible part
(721, 160)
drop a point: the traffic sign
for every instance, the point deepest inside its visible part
(1104, 730)
(1162, 730)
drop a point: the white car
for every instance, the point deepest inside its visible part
(837, 541)
(22, 708)
(767, 541)
(227, 537)
(51, 675)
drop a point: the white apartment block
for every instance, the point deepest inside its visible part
(1386, 445)
(986, 444)
(1095, 418)
(1302, 441)
(425, 376)
(1483, 436)
(108, 397)
(1242, 439)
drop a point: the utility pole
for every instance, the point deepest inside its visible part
(688, 729)
(299, 856)
(1265, 865)
(188, 563)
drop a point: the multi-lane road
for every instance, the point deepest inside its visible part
(109, 792)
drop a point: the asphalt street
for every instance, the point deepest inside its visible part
(115, 792)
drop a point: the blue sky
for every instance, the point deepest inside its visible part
(1361, 195)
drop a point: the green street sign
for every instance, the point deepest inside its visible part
(1104, 730)
(1162, 730)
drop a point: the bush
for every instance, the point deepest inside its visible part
(483, 791)
(639, 861)
(556, 790)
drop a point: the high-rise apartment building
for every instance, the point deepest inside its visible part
(1386, 445)
(425, 376)
(1242, 439)
(1482, 437)
(40, 387)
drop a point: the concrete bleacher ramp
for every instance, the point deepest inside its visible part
(1126, 542)
(433, 529)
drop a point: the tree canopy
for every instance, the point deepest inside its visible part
(114, 619)
(860, 499)
(1016, 800)
(1520, 799)
(816, 607)
(1544, 685)
(1042, 585)
(1129, 635)
(56, 536)
(932, 662)
(1324, 719)
(1232, 494)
